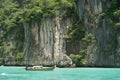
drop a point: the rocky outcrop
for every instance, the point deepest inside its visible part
(103, 51)
(44, 41)
(11, 45)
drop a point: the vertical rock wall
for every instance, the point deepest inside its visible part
(44, 41)
(103, 51)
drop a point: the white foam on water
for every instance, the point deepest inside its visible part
(3, 74)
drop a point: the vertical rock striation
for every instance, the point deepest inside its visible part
(103, 51)
(44, 41)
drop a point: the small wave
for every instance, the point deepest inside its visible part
(3, 74)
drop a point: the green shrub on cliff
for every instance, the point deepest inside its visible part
(76, 58)
(114, 13)
(20, 56)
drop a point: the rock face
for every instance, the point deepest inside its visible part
(44, 41)
(118, 50)
(105, 50)
(12, 45)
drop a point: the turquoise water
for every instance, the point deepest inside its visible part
(19, 73)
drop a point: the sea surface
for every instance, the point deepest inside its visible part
(19, 73)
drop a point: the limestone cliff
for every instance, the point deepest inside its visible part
(47, 32)
(105, 51)
(44, 41)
